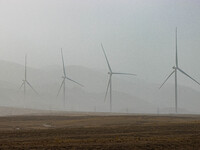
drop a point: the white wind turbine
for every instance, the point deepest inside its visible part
(64, 78)
(110, 78)
(175, 69)
(25, 81)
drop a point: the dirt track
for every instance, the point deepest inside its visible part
(100, 132)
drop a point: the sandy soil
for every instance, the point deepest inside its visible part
(89, 131)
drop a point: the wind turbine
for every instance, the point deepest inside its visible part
(110, 78)
(64, 78)
(175, 70)
(25, 81)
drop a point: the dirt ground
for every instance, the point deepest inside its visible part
(121, 132)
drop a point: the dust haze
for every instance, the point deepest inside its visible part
(138, 37)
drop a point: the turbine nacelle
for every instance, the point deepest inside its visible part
(64, 77)
(110, 73)
(174, 67)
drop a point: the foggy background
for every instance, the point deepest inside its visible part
(138, 36)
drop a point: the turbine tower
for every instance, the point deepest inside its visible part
(25, 81)
(64, 78)
(110, 78)
(175, 70)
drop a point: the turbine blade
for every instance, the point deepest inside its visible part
(63, 63)
(25, 66)
(75, 82)
(124, 73)
(106, 58)
(167, 79)
(176, 49)
(32, 87)
(107, 88)
(21, 85)
(60, 87)
(188, 76)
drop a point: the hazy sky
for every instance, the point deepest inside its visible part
(138, 35)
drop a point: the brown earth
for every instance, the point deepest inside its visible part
(100, 132)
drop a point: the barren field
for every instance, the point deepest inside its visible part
(100, 132)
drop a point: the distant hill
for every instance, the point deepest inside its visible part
(129, 92)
